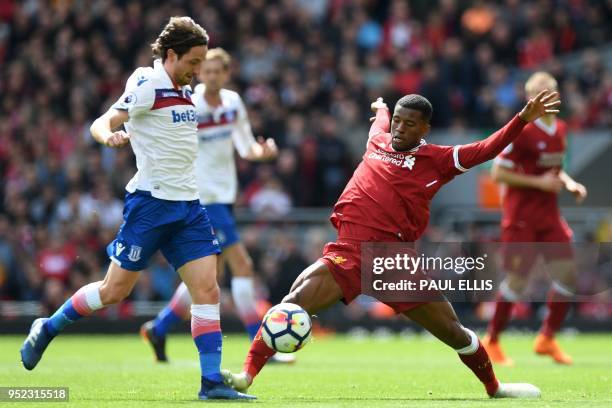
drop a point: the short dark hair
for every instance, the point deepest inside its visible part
(417, 102)
(180, 35)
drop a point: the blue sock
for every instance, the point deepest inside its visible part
(64, 316)
(252, 329)
(164, 321)
(209, 347)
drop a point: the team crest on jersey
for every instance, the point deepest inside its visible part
(409, 162)
(135, 253)
(397, 159)
(339, 260)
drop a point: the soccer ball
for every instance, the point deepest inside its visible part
(286, 328)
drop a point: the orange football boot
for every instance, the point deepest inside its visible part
(545, 345)
(495, 352)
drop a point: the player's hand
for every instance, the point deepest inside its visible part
(578, 190)
(550, 182)
(118, 139)
(544, 103)
(269, 150)
(377, 104)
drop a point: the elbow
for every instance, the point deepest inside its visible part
(94, 130)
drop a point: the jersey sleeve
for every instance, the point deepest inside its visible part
(380, 124)
(460, 158)
(243, 135)
(510, 157)
(139, 94)
(448, 161)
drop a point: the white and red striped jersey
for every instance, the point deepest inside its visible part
(162, 128)
(220, 130)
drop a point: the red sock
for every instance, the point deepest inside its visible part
(259, 353)
(558, 306)
(480, 365)
(501, 317)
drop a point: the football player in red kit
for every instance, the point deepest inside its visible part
(387, 200)
(531, 168)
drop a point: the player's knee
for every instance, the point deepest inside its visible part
(457, 337)
(295, 298)
(290, 298)
(243, 266)
(205, 293)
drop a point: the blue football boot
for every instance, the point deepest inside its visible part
(217, 390)
(158, 343)
(35, 344)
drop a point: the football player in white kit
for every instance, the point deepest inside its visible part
(162, 209)
(223, 126)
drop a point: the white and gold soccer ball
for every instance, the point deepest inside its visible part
(286, 328)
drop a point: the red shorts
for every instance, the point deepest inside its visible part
(343, 259)
(524, 242)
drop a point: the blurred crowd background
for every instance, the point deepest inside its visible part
(307, 71)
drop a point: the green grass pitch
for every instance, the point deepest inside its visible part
(334, 371)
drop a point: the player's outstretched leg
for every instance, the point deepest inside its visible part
(313, 290)
(243, 287)
(117, 284)
(243, 294)
(200, 277)
(440, 319)
(503, 311)
(154, 331)
(558, 306)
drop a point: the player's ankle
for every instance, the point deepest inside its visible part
(492, 387)
(248, 377)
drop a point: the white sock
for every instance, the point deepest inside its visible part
(243, 294)
(472, 347)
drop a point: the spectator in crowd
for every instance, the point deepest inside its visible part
(300, 65)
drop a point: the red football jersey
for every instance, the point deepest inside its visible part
(392, 190)
(535, 151)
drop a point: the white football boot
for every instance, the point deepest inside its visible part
(240, 382)
(517, 390)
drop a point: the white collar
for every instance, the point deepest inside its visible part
(549, 130)
(421, 143)
(158, 66)
(414, 149)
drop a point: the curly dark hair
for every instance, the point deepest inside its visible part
(417, 102)
(180, 34)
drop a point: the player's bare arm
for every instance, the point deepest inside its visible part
(578, 190)
(549, 181)
(263, 150)
(102, 129)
